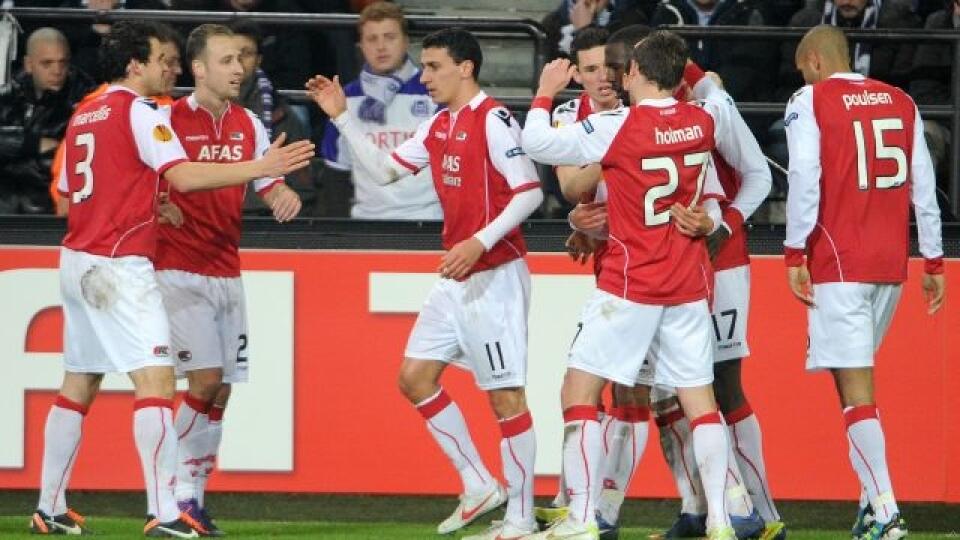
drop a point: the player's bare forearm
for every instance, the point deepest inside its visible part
(576, 181)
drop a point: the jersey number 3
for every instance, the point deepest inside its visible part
(83, 167)
(881, 151)
(651, 217)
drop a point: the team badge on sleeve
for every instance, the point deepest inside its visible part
(162, 133)
(587, 126)
(790, 118)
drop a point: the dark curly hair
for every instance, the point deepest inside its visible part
(130, 40)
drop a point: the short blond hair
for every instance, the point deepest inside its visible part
(381, 11)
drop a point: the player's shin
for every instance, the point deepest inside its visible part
(747, 444)
(677, 446)
(868, 457)
(582, 449)
(212, 438)
(449, 429)
(156, 441)
(631, 429)
(518, 450)
(712, 450)
(61, 443)
(191, 422)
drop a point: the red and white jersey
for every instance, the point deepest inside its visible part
(741, 166)
(208, 242)
(857, 159)
(653, 155)
(573, 111)
(477, 166)
(117, 146)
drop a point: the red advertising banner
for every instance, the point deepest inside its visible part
(322, 412)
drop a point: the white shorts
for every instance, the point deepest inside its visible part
(208, 323)
(848, 323)
(479, 323)
(617, 337)
(731, 308)
(113, 313)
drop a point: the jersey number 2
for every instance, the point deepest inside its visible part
(651, 217)
(83, 167)
(880, 152)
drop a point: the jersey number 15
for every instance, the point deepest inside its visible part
(880, 151)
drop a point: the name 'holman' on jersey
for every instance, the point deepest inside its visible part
(674, 136)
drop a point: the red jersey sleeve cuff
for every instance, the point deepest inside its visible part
(269, 187)
(692, 74)
(542, 102)
(793, 256)
(404, 163)
(933, 266)
(733, 218)
(526, 187)
(166, 166)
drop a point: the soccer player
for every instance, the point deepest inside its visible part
(477, 314)
(387, 102)
(198, 265)
(858, 159)
(655, 277)
(625, 428)
(118, 146)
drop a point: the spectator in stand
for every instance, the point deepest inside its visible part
(930, 82)
(33, 114)
(745, 66)
(258, 94)
(571, 16)
(85, 38)
(387, 103)
(889, 62)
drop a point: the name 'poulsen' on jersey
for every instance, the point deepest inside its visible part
(866, 99)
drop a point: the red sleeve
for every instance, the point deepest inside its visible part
(793, 256)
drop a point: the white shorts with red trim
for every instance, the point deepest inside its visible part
(617, 339)
(480, 324)
(848, 323)
(208, 323)
(730, 311)
(113, 313)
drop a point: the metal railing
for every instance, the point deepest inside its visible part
(482, 27)
(951, 112)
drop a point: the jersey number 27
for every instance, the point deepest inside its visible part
(651, 217)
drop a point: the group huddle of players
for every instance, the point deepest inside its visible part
(666, 171)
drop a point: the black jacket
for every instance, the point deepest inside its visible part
(25, 118)
(890, 62)
(930, 75)
(745, 66)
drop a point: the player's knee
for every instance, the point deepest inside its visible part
(205, 384)
(413, 385)
(631, 396)
(508, 402)
(223, 395)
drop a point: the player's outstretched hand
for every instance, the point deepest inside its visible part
(283, 202)
(281, 160)
(588, 216)
(455, 263)
(168, 213)
(798, 278)
(934, 290)
(580, 247)
(555, 77)
(693, 221)
(327, 94)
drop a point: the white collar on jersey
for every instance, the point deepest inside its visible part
(848, 76)
(658, 102)
(194, 104)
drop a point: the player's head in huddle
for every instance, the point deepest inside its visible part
(617, 54)
(142, 55)
(822, 52)
(656, 66)
(451, 60)
(587, 52)
(214, 55)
